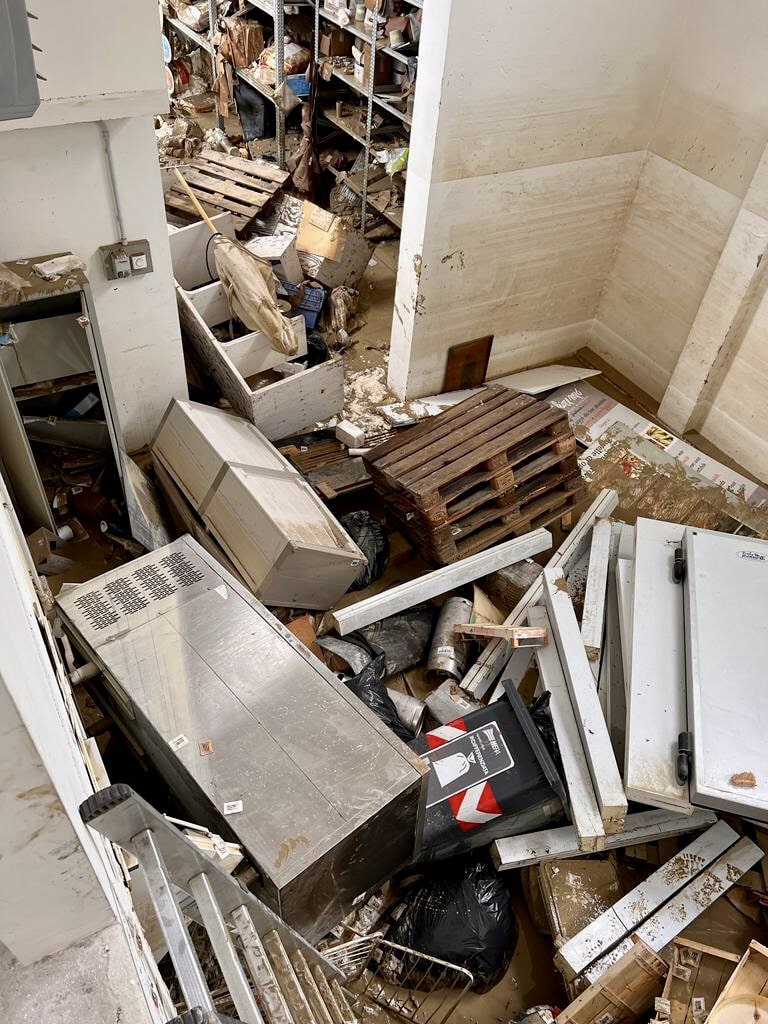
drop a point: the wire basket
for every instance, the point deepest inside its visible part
(413, 985)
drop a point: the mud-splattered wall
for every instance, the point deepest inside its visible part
(577, 170)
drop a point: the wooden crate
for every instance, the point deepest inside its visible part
(493, 466)
(624, 993)
(696, 978)
(750, 978)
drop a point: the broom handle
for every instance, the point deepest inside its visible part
(182, 181)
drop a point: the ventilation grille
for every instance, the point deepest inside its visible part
(133, 592)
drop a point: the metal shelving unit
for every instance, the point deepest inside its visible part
(248, 75)
(360, 183)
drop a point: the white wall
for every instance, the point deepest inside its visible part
(543, 116)
(54, 887)
(589, 167)
(102, 60)
(98, 59)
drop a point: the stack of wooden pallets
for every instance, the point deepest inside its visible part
(496, 465)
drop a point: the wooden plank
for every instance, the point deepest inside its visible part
(518, 636)
(584, 810)
(433, 584)
(750, 977)
(656, 711)
(483, 673)
(624, 994)
(299, 402)
(448, 422)
(467, 364)
(179, 200)
(586, 704)
(558, 843)
(593, 617)
(628, 913)
(624, 570)
(697, 977)
(228, 189)
(216, 170)
(686, 905)
(258, 168)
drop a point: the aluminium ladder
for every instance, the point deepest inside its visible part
(289, 983)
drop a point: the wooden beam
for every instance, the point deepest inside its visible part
(593, 617)
(586, 703)
(624, 994)
(516, 636)
(626, 915)
(558, 843)
(482, 674)
(433, 584)
(585, 812)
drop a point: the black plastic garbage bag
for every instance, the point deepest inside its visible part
(403, 638)
(369, 686)
(372, 539)
(461, 914)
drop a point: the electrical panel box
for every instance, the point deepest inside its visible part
(19, 94)
(126, 259)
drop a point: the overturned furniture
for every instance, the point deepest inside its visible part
(237, 365)
(257, 739)
(496, 465)
(283, 541)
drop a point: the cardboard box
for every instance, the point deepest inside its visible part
(335, 42)
(385, 65)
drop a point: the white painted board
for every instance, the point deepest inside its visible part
(675, 915)
(586, 703)
(556, 843)
(432, 584)
(488, 665)
(585, 814)
(624, 570)
(544, 378)
(593, 617)
(625, 916)
(726, 616)
(656, 713)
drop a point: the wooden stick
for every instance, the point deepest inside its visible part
(182, 181)
(518, 636)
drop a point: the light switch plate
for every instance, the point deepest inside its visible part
(122, 261)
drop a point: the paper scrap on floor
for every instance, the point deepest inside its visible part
(591, 413)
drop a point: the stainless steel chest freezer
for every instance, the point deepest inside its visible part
(726, 622)
(257, 739)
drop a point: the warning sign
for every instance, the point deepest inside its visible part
(471, 758)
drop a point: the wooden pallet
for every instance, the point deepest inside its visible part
(226, 184)
(485, 469)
